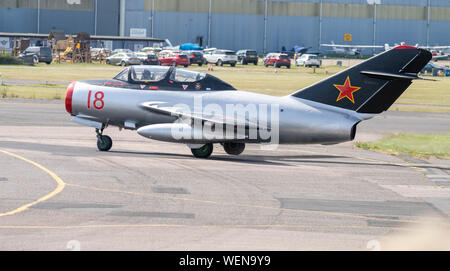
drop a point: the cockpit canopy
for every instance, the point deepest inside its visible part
(171, 78)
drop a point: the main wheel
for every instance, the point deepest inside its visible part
(233, 148)
(123, 63)
(219, 62)
(233, 64)
(104, 143)
(203, 152)
(35, 60)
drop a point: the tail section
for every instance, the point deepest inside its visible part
(373, 85)
(334, 47)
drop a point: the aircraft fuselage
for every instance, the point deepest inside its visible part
(289, 119)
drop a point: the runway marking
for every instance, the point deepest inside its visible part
(96, 226)
(364, 217)
(364, 159)
(60, 185)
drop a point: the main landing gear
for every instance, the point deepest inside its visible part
(233, 148)
(104, 142)
(206, 150)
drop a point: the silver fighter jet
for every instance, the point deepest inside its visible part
(194, 108)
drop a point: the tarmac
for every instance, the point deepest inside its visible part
(58, 192)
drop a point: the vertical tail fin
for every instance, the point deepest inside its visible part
(373, 85)
(334, 47)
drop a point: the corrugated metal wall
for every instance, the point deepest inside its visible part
(108, 17)
(70, 16)
(237, 24)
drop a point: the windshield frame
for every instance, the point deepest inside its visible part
(160, 76)
(174, 73)
(126, 72)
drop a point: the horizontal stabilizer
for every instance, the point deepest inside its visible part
(386, 75)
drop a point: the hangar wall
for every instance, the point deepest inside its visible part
(72, 16)
(237, 24)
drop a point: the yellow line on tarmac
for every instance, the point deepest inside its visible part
(60, 185)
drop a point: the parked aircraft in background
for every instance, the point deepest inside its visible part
(299, 50)
(438, 52)
(351, 50)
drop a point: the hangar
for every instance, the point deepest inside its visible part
(264, 25)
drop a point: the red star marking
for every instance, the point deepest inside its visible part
(346, 90)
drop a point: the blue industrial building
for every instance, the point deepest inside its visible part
(264, 25)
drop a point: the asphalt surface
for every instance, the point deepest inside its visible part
(59, 193)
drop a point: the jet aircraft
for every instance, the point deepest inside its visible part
(438, 52)
(195, 108)
(351, 50)
(299, 50)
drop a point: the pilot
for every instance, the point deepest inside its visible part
(146, 75)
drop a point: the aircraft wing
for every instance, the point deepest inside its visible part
(368, 46)
(436, 47)
(440, 56)
(351, 46)
(182, 113)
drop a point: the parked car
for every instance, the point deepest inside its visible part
(151, 59)
(431, 66)
(277, 60)
(220, 57)
(36, 54)
(126, 51)
(174, 59)
(123, 59)
(141, 56)
(247, 56)
(195, 57)
(308, 60)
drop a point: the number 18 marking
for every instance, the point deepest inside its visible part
(98, 102)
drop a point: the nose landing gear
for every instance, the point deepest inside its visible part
(104, 142)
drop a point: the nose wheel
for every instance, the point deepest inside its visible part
(104, 142)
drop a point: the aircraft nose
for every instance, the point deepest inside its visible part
(69, 94)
